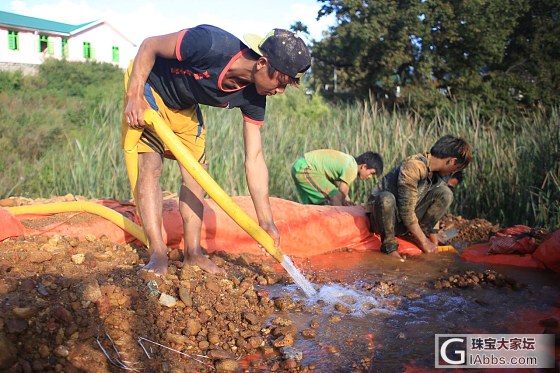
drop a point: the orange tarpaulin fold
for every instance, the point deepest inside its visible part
(305, 230)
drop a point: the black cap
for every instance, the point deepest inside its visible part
(285, 51)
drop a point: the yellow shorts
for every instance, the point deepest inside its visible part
(187, 124)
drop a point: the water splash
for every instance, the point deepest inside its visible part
(299, 279)
(360, 303)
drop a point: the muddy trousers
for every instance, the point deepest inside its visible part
(383, 216)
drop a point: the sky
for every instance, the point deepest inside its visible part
(138, 19)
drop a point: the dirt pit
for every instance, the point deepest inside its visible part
(82, 306)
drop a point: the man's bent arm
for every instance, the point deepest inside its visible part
(345, 190)
(257, 179)
(426, 244)
(162, 46)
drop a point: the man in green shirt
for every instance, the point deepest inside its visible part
(323, 176)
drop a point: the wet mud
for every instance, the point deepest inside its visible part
(82, 306)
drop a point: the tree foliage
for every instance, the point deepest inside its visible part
(498, 53)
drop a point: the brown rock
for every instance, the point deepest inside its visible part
(308, 333)
(23, 312)
(285, 330)
(193, 327)
(255, 341)
(219, 354)
(227, 365)
(62, 314)
(284, 340)
(251, 318)
(8, 202)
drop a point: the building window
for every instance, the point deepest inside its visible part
(45, 45)
(88, 53)
(13, 40)
(116, 54)
(64, 48)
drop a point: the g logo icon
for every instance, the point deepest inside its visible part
(460, 353)
(451, 350)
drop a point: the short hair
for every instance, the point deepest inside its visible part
(289, 80)
(372, 161)
(454, 147)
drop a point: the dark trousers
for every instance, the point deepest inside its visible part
(384, 220)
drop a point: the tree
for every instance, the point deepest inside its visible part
(531, 61)
(496, 52)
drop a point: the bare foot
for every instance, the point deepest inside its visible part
(395, 254)
(157, 264)
(204, 263)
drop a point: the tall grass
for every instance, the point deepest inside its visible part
(513, 179)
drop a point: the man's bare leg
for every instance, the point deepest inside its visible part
(150, 204)
(191, 207)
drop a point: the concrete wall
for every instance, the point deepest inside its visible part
(102, 38)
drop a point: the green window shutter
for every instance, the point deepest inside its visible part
(87, 50)
(44, 44)
(50, 47)
(64, 47)
(116, 56)
(13, 40)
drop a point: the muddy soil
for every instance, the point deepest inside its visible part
(82, 306)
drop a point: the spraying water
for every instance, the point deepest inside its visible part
(299, 279)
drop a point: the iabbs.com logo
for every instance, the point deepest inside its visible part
(494, 351)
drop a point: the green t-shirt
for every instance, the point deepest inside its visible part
(337, 166)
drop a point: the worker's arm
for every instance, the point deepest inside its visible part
(152, 47)
(343, 196)
(257, 179)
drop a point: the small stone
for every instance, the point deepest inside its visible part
(308, 333)
(90, 237)
(185, 296)
(291, 353)
(23, 312)
(61, 351)
(227, 365)
(91, 292)
(78, 258)
(193, 327)
(167, 300)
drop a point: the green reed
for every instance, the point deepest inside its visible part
(513, 179)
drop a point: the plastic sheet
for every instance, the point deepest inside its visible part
(305, 230)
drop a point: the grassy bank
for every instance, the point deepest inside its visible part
(54, 145)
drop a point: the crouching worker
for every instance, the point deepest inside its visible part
(323, 176)
(413, 196)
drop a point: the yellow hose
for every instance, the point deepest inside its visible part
(215, 192)
(131, 156)
(93, 208)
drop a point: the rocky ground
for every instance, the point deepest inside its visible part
(82, 306)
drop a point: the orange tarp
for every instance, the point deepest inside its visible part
(546, 255)
(9, 225)
(479, 254)
(305, 230)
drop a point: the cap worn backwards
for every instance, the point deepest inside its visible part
(285, 51)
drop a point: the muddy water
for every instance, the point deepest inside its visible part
(391, 327)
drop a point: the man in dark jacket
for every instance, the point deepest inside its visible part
(413, 196)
